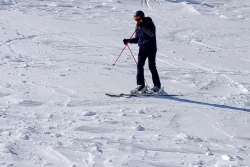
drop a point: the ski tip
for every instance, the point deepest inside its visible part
(113, 95)
(108, 94)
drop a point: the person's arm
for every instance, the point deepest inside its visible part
(134, 40)
(148, 31)
(147, 27)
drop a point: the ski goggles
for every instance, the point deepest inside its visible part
(137, 18)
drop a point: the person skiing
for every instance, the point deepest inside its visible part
(146, 38)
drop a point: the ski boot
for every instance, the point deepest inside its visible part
(139, 89)
(156, 90)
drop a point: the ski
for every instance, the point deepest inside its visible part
(113, 95)
(139, 95)
(147, 94)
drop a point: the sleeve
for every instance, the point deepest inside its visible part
(148, 31)
(149, 27)
(136, 39)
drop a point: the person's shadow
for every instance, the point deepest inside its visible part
(175, 98)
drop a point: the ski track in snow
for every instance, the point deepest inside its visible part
(56, 66)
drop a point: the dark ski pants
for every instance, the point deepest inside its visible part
(152, 67)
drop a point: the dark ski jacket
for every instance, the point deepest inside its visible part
(146, 37)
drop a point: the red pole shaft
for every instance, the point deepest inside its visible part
(120, 54)
(125, 46)
(132, 55)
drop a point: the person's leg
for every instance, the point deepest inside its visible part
(140, 70)
(152, 67)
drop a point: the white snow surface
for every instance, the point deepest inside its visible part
(56, 66)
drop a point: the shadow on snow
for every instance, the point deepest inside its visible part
(203, 103)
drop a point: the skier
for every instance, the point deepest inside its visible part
(146, 38)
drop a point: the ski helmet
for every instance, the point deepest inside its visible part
(139, 13)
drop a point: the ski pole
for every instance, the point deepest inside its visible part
(132, 55)
(125, 46)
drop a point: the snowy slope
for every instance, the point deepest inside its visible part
(56, 66)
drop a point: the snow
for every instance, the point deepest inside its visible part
(56, 66)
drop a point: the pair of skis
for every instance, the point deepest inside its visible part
(139, 95)
(161, 92)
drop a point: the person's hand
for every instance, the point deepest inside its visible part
(125, 41)
(139, 24)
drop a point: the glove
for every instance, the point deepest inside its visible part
(139, 24)
(125, 41)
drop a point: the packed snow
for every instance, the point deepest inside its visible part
(56, 66)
